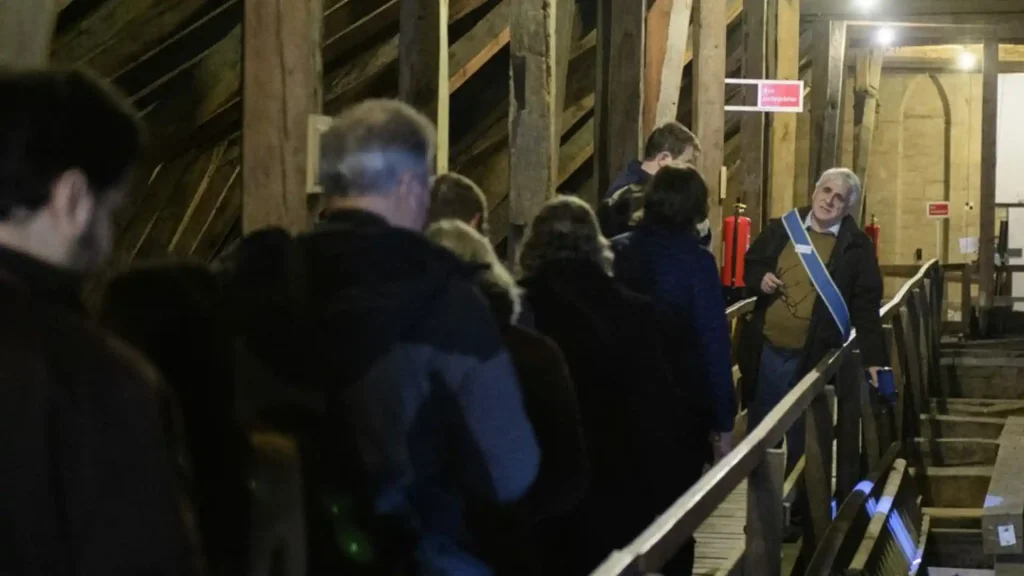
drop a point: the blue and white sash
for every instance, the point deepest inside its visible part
(816, 270)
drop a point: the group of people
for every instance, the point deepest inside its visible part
(526, 417)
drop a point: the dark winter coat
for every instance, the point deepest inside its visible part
(422, 379)
(681, 277)
(92, 463)
(612, 344)
(854, 269)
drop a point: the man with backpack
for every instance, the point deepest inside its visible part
(418, 373)
(622, 206)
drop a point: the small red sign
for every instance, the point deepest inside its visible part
(781, 95)
(938, 209)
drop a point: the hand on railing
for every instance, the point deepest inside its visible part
(721, 444)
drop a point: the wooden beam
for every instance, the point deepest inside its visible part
(282, 84)
(783, 126)
(827, 75)
(423, 65)
(479, 45)
(987, 213)
(668, 31)
(620, 64)
(709, 102)
(908, 10)
(1001, 520)
(865, 113)
(533, 115)
(753, 123)
(26, 31)
(565, 15)
(1007, 29)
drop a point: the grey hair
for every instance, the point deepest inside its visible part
(471, 246)
(850, 179)
(372, 146)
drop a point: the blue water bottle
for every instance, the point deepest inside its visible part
(886, 384)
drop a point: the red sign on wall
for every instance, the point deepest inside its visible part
(938, 209)
(772, 95)
(781, 96)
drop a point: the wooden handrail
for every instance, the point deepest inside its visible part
(662, 539)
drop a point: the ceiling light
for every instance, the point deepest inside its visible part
(967, 60)
(886, 36)
(866, 5)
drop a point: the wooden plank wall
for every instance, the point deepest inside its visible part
(282, 83)
(423, 65)
(533, 115)
(709, 35)
(619, 96)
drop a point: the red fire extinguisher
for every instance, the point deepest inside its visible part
(874, 231)
(736, 241)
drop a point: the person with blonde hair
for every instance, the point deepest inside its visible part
(612, 342)
(547, 388)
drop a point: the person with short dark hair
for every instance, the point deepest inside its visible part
(455, 196)
(671, 144)
(663, 259)
(91, 453)
(418, 362)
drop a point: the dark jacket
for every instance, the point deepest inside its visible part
(93, 470)
(169, 311)
(682, 278)
(551, 405)
(854, 269)
(423, 381)
(634, 174)
(611, 341)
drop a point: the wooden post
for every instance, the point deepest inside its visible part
(827, 74)
(763, 553)
(668, 29)
(989, 128)
(818, 471)
(423, 65)
(709, 25)
(752, 124)
(783, 130)
(850, 381)
(26, 31)
(282, 83)
(565, 16)
(619, 97)
(533, 116)
(865, 113)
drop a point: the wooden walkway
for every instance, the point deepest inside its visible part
(720, 539)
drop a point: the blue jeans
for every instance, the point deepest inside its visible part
(778, 374)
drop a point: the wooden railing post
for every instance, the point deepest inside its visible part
(849, 383)
(965, 298)
(818, 472)
(763, 554)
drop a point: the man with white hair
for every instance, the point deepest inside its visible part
(815, 275)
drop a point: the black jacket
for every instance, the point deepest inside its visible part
(853, 267)
(93, 468)
(611, 341)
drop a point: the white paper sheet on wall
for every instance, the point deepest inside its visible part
(969, 245)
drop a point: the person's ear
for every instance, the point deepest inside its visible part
(664, 159)
(475, 221)
(72, 206)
